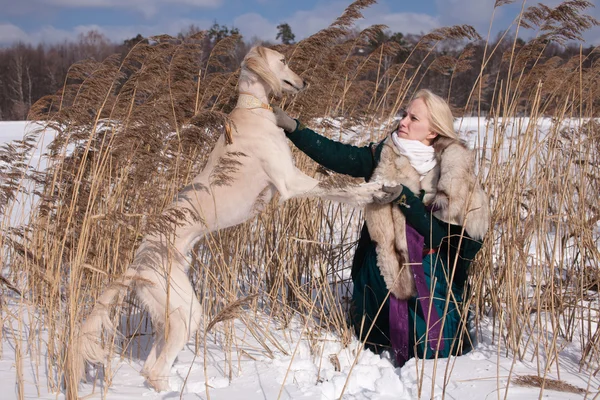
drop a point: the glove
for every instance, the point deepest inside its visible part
(389, 194)
(284, 121)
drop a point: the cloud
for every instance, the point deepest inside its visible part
(10, 33)
(406, 23)
(303, 23)
(253, 25)
(134, 3)
(147, 8)
(473, 12)
(307, 22)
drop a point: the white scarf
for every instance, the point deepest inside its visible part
(421, 157)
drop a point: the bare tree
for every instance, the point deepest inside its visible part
(16, 85)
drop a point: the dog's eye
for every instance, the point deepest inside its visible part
(284, 61)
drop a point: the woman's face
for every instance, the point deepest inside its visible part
(415, 123)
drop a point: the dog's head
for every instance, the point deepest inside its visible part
(271, 66)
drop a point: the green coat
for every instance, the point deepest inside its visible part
(370, 290)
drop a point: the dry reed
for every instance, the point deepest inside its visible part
(133, 131)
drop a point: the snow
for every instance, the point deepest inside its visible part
(295, 362)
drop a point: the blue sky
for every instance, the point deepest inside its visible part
(36, 21)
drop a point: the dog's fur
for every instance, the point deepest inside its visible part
(264, 166)
(451, 186)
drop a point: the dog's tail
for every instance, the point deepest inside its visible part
(88, 347)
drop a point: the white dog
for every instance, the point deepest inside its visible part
(262, 164)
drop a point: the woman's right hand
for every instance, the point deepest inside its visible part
(283, 120)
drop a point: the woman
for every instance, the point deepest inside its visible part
(411, 265)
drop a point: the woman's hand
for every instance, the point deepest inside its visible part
(283, 120)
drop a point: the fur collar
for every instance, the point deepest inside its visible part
(451, 188)
(459, 198)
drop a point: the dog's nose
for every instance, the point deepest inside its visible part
(304, 83)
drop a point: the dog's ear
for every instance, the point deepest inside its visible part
(256, 61)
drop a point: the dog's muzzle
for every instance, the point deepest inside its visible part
(294, 86)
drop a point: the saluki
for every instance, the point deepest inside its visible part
(159, 271)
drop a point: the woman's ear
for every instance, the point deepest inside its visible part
(432, 135)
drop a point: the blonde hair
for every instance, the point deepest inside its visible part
(440, 116)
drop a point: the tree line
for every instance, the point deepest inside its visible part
(29, 72)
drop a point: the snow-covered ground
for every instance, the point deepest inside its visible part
(293, 365)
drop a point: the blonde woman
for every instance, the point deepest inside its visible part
(411, 265)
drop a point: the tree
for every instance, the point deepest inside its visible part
(20, 83)
(218, 32)
(128, 44)
(396, 39)
(228, 57)
(94, 44)
(285, 33)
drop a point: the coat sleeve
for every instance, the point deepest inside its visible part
(339, 157)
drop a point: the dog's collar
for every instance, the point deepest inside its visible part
(247, 100)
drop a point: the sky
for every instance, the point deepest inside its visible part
(50, 21)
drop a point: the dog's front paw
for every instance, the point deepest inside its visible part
(388, 193)
(382, 198)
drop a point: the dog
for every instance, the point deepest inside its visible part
(263, 166)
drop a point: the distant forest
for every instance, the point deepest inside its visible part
(29, 72)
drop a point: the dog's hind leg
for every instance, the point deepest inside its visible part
(157, 346)
(183, 321)
(178, 336)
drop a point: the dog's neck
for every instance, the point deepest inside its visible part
(253, 94)
(250, 101)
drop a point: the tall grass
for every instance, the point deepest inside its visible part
(131, 131)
